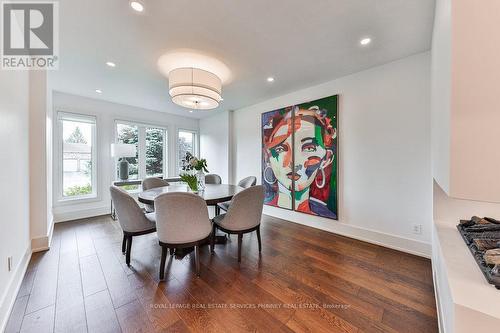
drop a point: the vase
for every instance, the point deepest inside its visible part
(201, 180)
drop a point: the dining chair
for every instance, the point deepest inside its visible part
(182, 221)
(212, 178)
(245, 183)
(132, 219)
(149, 183)
(243, 216)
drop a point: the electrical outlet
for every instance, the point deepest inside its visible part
(417, 229)
(9, 263)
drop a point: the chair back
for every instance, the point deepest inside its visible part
(181, 218)
(247, 182)
(245, 211)
(153, 182)
(130, 215)
(212, 178)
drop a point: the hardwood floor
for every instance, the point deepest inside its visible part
(305, 280)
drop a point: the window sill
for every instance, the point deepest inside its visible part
(71, 201)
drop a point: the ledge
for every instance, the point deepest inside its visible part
(473, 301)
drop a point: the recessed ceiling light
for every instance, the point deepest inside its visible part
(365, 41)
(110, 64)
(137, 6)
(270, 79)
(99, 91)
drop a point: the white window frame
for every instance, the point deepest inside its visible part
(63, 115)
(195, 143)
(141, 146)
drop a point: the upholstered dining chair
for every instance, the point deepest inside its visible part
(212, 178)
(149, 183)
(132, 219)
(245, 183)
(243, 216)
(182, 221)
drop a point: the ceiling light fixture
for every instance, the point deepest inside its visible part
(137, 6)
(365, 41)
(110, 64)
(99, 91)
(195, 88)
(270, 79)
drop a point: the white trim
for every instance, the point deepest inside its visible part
(196, 148)
(141, 146)
(58, 196)
(411, 246)
(12, 288)
(43, 243)
(81, 214)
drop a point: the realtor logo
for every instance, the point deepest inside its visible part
(29, 35)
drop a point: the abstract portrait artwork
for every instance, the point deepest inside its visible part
(299, 157)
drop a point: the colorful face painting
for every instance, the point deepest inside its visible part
(299, 157)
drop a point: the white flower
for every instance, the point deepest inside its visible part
(193, 162)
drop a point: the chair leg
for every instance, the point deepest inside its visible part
(240, 239)
(197, 259)
(129, 249)
(258, 238)
(217, 210)
(212, 240)
(124, 244)
(164, 251)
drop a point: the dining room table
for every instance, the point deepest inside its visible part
(212, 194)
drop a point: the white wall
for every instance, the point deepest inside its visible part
(385, 176)
(106, 114)
(214, 143)
(441, 93)
(475, 156)
(14, 177)
(41, 220)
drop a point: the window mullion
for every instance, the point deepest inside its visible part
(142, 152)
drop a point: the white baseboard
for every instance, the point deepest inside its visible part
(394, 242)
(39, 244)
(80, 214)
(12, 289)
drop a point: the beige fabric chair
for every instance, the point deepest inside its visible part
(182, 221)
(212, 178)
(243, 216)
(245, 183)
(132, 219)
(149, 183)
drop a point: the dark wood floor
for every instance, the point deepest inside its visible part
(306, 280)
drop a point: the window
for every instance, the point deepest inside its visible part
(155, 142)
(77, 158)
(130, 134)
(151, 144)
(186, 143)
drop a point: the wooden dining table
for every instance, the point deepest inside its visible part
(212, 194)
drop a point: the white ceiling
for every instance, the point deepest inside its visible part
(300, 43)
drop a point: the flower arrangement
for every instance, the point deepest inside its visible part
(190, 180)
(190, 162)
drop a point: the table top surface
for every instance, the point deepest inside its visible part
(212, 194)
